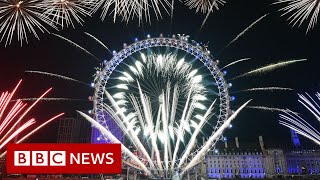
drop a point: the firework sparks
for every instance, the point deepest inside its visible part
(77, 46)
(108, 135)
(39, 127)
(22, 18)
(268, 109)
(204, 6)
(203, 150)
(267, 89)
(269, 68)
(97, 40)
(213, 5)
(235, 62)
(9, 122)
(57, 76)
(130, 9)
(301, 126)
(300, 11)
(64, 12)
(245, 30)
(295, 122)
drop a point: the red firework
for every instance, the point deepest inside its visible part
(10, 119)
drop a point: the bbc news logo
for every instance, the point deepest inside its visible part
(58, 158)
(39, 158)
(64, 158)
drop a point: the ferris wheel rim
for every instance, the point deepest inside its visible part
(197, 51)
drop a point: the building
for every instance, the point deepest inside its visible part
(113, 127)
(303, 162)
(74, 130)
(295, 138)
(246, 161)
(275, 163)
(235, 164)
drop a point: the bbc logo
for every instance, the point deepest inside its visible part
(39, 158)
(64, 158)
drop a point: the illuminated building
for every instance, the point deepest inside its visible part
(303, 162)
(236, 162)
(295, 138)
(275, 163)
(113, 127)
(245, 160)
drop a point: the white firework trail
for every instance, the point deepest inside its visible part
(235, 62)
(21, 18)
(129, 128)
(213, 5)
(267, 89)
(297, 123)
(76, 45)
(57, 76)
(204, 149)
(245, 30)
(308, 102)
(181, 128)
(301, 126)
(64, 12)
(97, 40)
(109, 136)
(272, 109)
(300, 11)
(195, 134)
(171, 14)
(269, 68)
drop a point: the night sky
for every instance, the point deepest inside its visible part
(271, 40)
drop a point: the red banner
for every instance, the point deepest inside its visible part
(64, 158)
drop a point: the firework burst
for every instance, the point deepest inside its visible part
(173, 91)
(21, 18)
(301, 11)
(294, 121)
(12, 121)
(204, 6)
(64, 12)
(131, 9)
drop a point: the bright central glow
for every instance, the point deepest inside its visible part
(157, 90)
(161, 102)
(18, 5)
